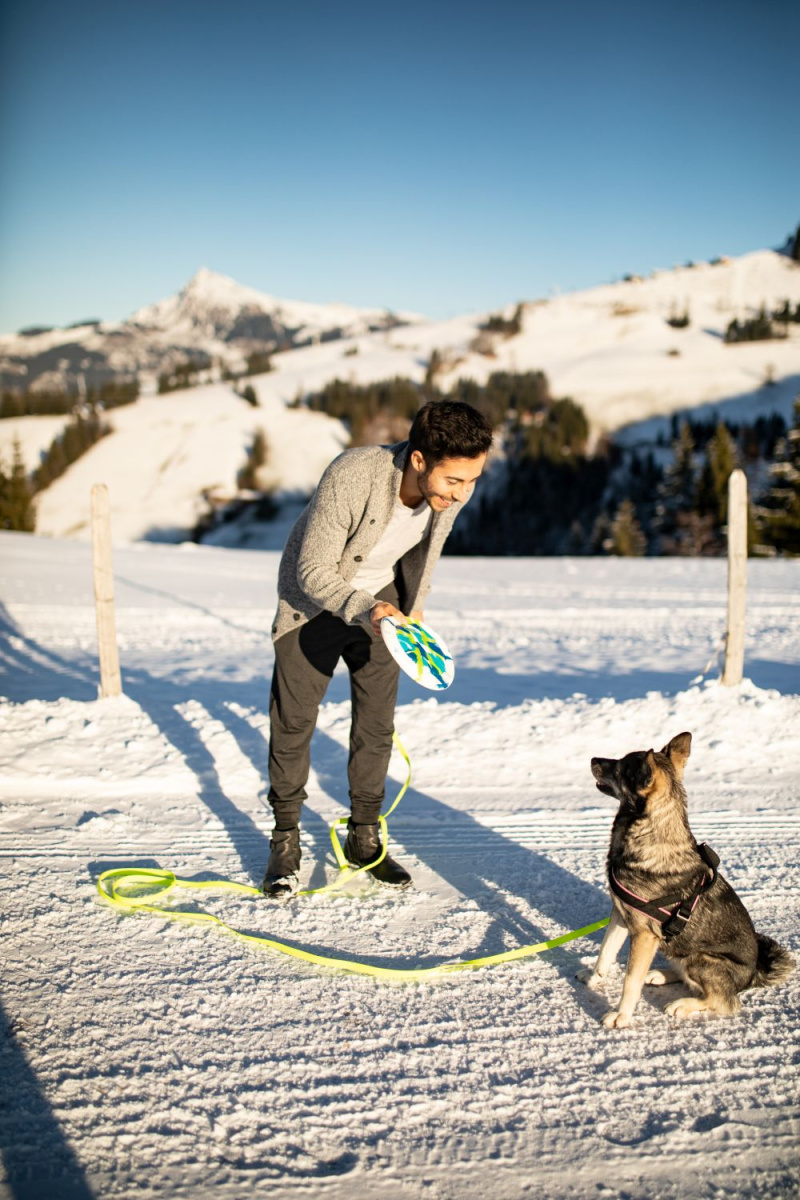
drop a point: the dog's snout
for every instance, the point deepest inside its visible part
(605, 773)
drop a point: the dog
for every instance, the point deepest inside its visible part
(667, 894)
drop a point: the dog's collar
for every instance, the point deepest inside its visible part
(671, 912)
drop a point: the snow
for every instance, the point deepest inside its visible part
(607, 347)
(165, 451)
(34, 434)
(146, 1057)
(209, 292)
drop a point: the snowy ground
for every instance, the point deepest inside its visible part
(144, 1058)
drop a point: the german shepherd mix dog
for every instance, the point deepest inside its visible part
(668, 895)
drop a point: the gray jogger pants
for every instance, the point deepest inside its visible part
(304, 664)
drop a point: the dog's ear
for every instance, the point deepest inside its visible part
(641, 771)
(678, 751)
(650, 763)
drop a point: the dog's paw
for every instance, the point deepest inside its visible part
(588, 976)
(616, 1020)
(659, 978)
(684, 1008)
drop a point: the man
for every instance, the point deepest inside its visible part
(364, 548)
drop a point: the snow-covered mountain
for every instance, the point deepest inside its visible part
(611, 348)
(211, 318)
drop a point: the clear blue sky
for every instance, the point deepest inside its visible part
(440, 157)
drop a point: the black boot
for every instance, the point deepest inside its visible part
(363, 846)
(280, 877)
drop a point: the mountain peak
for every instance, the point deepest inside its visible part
(204, 275)
(216, 288)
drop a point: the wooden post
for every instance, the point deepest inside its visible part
(737, 578)
(110, 680)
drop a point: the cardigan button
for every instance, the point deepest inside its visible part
(372, 521)
(274, 628)
(295, 616)
(357, 558)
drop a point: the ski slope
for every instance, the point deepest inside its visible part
(145, 1058)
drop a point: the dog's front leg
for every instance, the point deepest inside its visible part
(643, 948)
(616, 932)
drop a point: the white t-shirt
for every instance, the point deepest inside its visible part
(406, 528)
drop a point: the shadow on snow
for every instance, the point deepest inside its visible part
(37, 1156)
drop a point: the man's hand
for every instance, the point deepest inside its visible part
(417, 615)
(382, 610)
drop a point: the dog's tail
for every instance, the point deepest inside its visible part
(774, 963)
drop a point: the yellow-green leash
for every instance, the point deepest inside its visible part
(346, 872)
(130, 890)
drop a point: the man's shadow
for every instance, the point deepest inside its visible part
(486, 866)
(248, 832)
(491, 869)
(37, 1156)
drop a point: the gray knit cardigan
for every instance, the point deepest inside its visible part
(335, 533)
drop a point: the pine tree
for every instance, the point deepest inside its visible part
(780, 510)
(434, 368)
(54, 465)
(628, 540)
(705, 491)
(258, 363)
(256, 457)
(679, 476)
(722, 460)
(576, 540)
(600, 540)
(677, 498)
(17, 506)
(734, 331)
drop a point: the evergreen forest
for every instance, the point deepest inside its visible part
(550, 492)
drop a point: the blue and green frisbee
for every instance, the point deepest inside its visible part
(420, 652)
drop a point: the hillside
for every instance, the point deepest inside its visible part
(167, 451)
(610, 348)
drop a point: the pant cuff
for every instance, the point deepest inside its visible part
(286, 816)
(365, 812)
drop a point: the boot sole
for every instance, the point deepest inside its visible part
(393, 887)
(277, 890)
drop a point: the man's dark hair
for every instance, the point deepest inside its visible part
(449, 429)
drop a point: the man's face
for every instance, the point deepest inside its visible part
(448, 481)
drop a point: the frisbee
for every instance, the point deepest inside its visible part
(420, 652)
